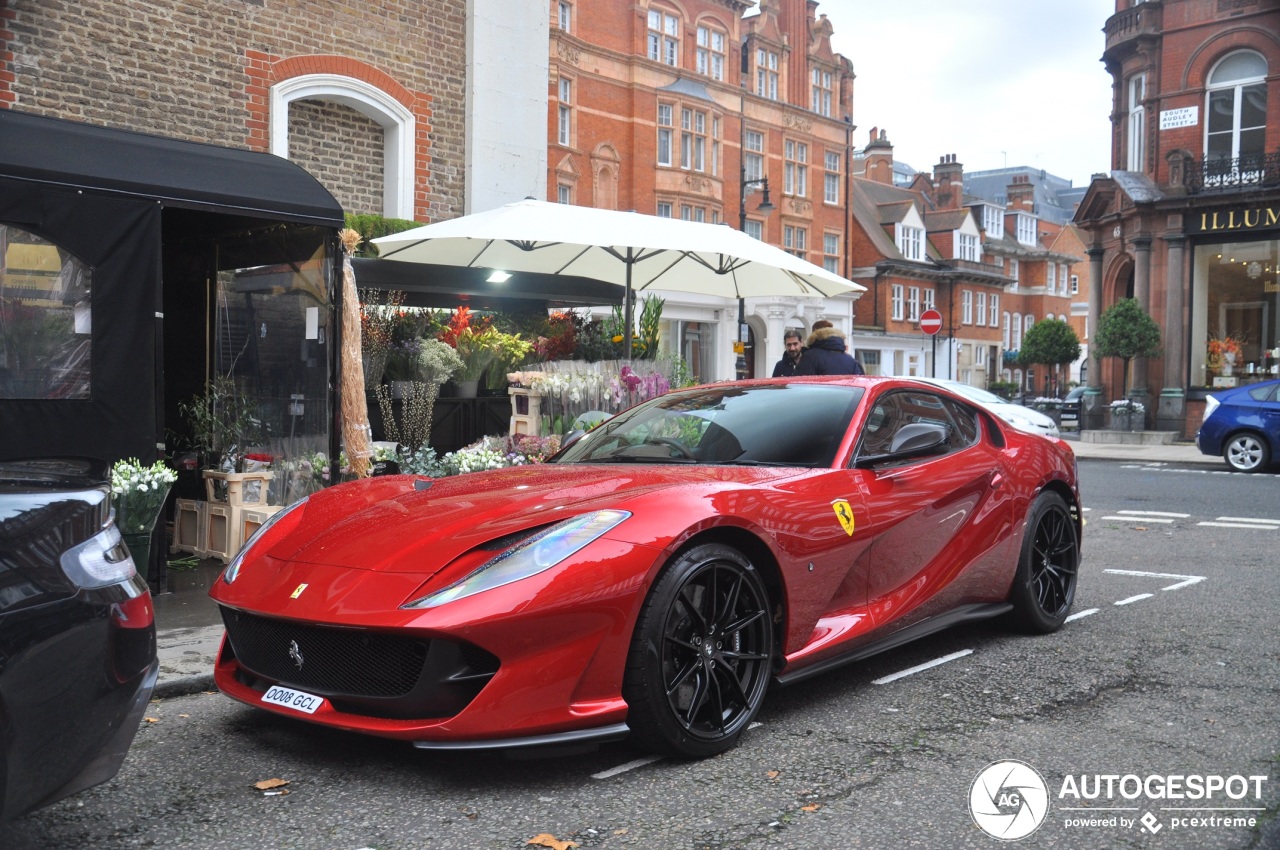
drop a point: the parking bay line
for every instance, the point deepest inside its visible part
(1186, 580)
(919, 668)
(1155, 513)
(623, 768)
(1243, 522)
(1079, 615)
(1138, 598)
(1140, 519)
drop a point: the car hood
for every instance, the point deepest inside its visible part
(410, 524)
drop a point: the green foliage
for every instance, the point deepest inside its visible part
(1126, 331)
(373, 226)
(1004, 389)
(1051, 342)
(223, 421)
(650, 322)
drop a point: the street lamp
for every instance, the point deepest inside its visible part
(765, 207)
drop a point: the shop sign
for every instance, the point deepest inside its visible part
(1234, 220)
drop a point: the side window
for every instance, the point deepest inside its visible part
(45, 319)
(893, 414)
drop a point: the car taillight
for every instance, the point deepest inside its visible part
(100, 561)
(1210, 405)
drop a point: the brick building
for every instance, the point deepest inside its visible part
(686, 110)
(1188, 220)
(992, 270)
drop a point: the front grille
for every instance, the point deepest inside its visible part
(334, 661)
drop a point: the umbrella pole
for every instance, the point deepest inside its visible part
(629, 317)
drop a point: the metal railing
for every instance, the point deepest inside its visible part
(1254, 171)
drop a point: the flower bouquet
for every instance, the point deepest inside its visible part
(139, 493)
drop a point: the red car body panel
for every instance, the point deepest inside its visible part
(926, 537)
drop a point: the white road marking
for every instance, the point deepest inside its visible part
(623, 768)
(1186, 580)
(1254, 525)
(1137, 598)
(1140, 519)
(922, 667)
(1080, 615)
(1263, 520)
(1155, 513)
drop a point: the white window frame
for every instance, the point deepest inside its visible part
(1075, 284)
(795, 174)
(913, 304)
(898, 301)
(1137, 90)
(1026, 229)
(993, 221)
(911, 242)
(663, 209)
(664, 37)
(928, 299)
(1008, 332)
(994, 315)
(831, 252)
(711, 52)
(966, 247)
(795, 240)
(564, 15)
(399, 129)
(980, 312)
(820, 83)
(666, 133)
(831, 178)
(753, 156)
(564, 112)
(966, 307)
(1236, 89)
(767, 73)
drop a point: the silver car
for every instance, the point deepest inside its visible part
(1020, 417)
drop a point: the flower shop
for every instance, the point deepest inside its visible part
(160, 297)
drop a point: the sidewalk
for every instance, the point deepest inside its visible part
(189, 629)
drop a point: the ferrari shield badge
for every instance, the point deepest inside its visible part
(298, 590)
(844, 513)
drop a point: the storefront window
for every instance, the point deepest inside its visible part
(696, 343)
(274, 337)
(45, 319)
(1235, 338)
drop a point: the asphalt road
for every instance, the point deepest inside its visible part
(1171, 669)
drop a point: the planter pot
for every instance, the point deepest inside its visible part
(468, 389)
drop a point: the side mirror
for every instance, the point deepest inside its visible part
(918, 439)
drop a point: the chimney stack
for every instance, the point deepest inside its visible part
(1021, 194)
(948, 183)
(879, 157)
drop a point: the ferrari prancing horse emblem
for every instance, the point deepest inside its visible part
(844, 513)
(298, 591)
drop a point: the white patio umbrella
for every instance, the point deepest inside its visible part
(630, 249)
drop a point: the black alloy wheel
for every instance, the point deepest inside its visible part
(700, 660)
(1044, 585)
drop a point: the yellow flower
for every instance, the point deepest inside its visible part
(617, 338)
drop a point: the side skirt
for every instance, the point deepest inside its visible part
(605, 733)
(963, 614)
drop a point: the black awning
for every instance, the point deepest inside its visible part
(189, 174)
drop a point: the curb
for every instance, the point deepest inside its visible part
(183, 686)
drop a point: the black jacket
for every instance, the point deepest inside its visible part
(786, 367)
(826, 355)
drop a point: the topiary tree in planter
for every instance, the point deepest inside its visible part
(1127, 332)
(1050, 342)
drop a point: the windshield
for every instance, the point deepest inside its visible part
(768, 425)
(974, 393)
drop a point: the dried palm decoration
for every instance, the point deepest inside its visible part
(355, 411)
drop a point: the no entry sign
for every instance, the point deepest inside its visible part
(931, 322)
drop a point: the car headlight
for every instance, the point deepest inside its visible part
(539, 553)
(233, 569)
(100, 561)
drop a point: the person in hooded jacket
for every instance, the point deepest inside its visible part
(827, 353)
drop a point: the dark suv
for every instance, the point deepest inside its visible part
(77, 633)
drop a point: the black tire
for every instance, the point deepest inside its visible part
(1044, 586)
(1246, 452)
(700, 660)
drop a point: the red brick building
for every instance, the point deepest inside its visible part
(688, 109)
(992, 270)
(1188, 220)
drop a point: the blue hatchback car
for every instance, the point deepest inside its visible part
(1243, 425)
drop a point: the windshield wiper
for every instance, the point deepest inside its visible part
(640, 459)
(745, 462)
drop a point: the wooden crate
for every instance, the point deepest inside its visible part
(190, 519)
(243, 488)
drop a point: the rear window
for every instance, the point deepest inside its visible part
(1263, 393)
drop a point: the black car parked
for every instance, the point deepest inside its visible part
(1070, 416)
(77, 634)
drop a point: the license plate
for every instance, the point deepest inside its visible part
(296, 700)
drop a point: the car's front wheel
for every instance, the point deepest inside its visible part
(699, 664)
(1246, 452)
(1044, 585)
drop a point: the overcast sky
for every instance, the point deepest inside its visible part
(996, 82)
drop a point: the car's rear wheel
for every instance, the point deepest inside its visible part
(1246, 452)
(1044, 585)
(700, 660)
